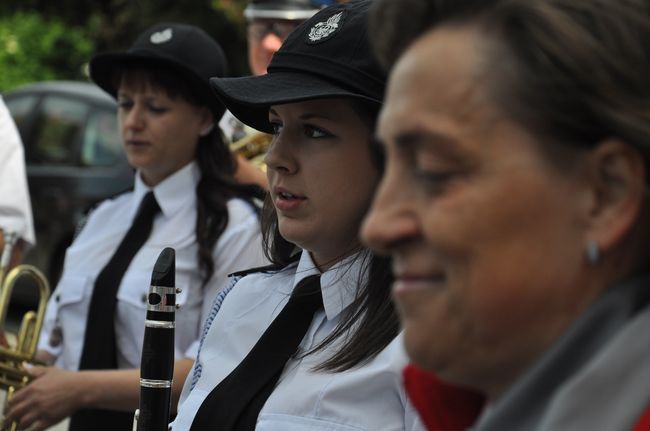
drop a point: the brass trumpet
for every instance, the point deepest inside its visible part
(253, 147)
(13, 374)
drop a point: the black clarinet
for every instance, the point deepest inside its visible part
(157, 363)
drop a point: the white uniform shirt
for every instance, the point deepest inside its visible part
(15, 206)
(370, 397)
(239, 247)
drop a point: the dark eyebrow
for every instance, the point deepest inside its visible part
(311, 116)
(307, 116)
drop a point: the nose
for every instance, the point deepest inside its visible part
(132, 119)
(392, 219)
(280, 157)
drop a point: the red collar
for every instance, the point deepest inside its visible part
(441, 406)
(644, 422)
(444, 407)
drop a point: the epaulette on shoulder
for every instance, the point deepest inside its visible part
(263, 269)
(266, 269)
(90, 208)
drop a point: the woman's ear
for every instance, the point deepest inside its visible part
(207, 129)
(207, 122)
(618, 177)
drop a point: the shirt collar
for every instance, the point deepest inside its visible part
(339, 284)
(173, 193)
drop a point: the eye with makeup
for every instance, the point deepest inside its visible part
(276, 127)
(124, 104)
(315, 132)
(308, 130)
(156, 109)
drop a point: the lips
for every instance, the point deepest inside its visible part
(136, 143)
(282, 193)
(287, 195)
(410, 283)
(286, 200)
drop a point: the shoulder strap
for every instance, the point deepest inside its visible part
(274, 267)
(90, 208)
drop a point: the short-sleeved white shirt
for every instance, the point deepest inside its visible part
(370, 397)
(15, 204)
(239, 247)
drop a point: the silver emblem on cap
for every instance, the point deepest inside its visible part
(161, 36)
(324, 29)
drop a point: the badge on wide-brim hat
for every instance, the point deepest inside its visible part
(161, 36)
(323, 30)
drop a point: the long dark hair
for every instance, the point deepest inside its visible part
(214, 158)
(370, 323)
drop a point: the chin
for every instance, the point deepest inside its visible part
(419, 345)
(138, 161)
(293, 232)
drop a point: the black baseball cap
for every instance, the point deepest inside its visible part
(186, 49)
(282, 9)
(327, 56)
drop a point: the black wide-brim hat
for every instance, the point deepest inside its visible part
(187, 50)
(327, 56)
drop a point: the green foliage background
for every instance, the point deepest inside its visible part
(35, 49)
(46, 39)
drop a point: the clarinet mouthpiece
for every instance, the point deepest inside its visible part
(164, 271)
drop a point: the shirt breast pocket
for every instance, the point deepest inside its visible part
(284, 422)
(71, 289)
(72, 296)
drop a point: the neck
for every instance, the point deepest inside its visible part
(326, 261)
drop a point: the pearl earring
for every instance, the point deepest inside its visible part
(593, 252)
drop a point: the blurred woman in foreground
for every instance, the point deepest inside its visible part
(515, 204)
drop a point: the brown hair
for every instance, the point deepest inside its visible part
(572, 71)
(217, 184)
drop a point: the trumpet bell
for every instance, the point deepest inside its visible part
(253, 147)
(13, 359)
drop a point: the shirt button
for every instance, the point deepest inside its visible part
(143, 298)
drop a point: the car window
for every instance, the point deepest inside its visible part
(20, 107)
(58, 130)
(101, 144)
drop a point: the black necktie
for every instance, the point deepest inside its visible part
(236, 402)
(100, 348)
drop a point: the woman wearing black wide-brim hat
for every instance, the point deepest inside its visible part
(311, 342)
(184, 197)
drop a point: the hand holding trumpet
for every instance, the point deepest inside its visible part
(52, 395)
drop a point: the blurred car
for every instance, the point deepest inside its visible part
(74, 159)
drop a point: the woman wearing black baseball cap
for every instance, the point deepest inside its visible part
(311, 342)
(184, 197)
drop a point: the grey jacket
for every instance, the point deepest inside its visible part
(596, 377)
